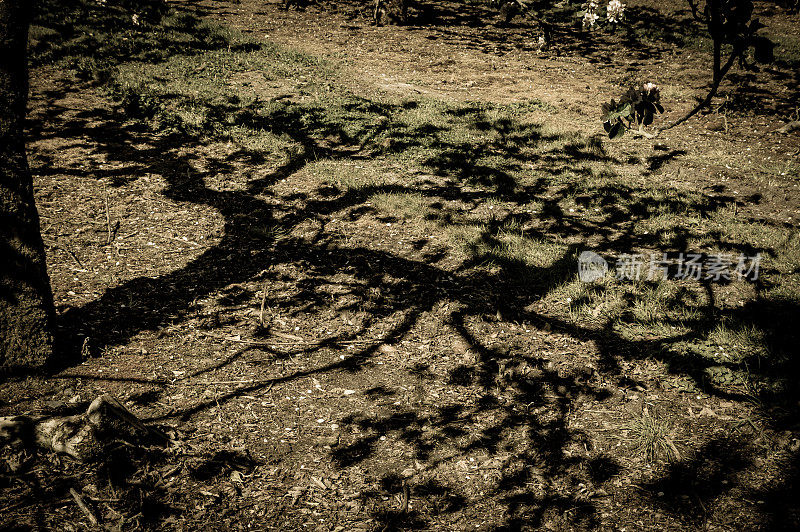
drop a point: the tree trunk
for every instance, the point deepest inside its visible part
(26, 301)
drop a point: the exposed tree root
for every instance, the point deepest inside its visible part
(80, 436)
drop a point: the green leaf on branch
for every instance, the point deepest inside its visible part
(616, 131)
(620, 111)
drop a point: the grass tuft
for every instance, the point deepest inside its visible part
(652, 437)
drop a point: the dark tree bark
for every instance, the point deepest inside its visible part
(26, 301)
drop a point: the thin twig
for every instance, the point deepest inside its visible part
(108, 216)
(192, 242)
(102, 377)
(70, 253)
(271, 382)
(176, 382)
(74, 256)
(82, 505)
(263, 304)
(288, 336)
(20, 504)
(128, 235)
(255, 343)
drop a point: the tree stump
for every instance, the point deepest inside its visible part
(82, 436)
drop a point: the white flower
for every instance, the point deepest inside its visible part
(650, 86)
(589, 19)
(592, 6)
(135, 19)
(615, 11)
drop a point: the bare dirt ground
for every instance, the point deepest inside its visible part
(354, 373)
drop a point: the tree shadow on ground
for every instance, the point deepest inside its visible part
(529, 402)
(520, 401)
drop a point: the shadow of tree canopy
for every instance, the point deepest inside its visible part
(476, 24)
(523, 401)
(95, 36)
